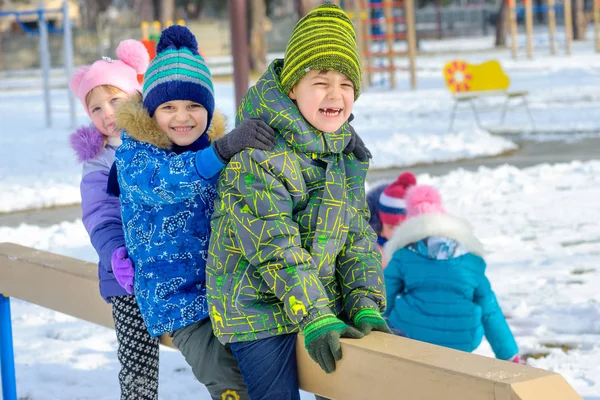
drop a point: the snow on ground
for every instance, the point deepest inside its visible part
(402, 127)
(27, 145)
(539, 226)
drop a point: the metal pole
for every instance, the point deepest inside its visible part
(45, 65)
(239, 47)
(7, 355)
(438, 19)
(68, 47)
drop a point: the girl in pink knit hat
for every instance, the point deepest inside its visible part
(437, 291)
(101, 87)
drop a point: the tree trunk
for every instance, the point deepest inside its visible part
(502, 24)
(167, 12)
(578, 20)
(1, 52)
(258, 43)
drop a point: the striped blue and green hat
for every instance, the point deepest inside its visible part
(178, 72)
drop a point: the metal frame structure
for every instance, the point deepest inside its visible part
(43, 31)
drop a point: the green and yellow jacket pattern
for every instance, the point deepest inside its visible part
(291, 239)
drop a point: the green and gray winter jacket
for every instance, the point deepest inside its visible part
(290, 233)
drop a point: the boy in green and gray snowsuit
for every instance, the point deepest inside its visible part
(291, 248)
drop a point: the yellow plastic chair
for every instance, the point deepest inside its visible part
(469, 82)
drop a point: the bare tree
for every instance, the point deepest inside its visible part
(578, 20)
(167, 11)
(502, 24)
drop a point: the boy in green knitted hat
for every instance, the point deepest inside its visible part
(292, 249)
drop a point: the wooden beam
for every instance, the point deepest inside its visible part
(512, 18)
(529, 27)
(552, 26)
(378, 366)
(597, 24)
(568, 25)
(411, 39)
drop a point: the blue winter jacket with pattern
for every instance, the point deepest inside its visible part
(166, 205)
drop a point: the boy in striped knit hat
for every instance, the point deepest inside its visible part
(292, 250)
(173, 148)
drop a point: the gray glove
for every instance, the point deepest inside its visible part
(356, 145)
(252, 133)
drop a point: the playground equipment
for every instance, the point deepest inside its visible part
(381, 27)
(43, 29)
(550, 8)
(470, 82)
(397, 367)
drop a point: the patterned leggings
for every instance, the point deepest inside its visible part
(138, 351)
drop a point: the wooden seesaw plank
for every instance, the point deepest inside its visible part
(379, 366)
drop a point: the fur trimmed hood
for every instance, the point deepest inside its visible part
(87, 142)
(133, 117)
(422, 226)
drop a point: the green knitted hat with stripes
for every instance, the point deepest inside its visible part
(178, 72)
(323, 40)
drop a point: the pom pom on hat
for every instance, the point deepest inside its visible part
(134, 54)
(176, 37)
(392, 206)
(406, 179)
(423, 199)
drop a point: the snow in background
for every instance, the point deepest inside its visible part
(539, 227)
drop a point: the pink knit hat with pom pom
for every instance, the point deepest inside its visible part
(423, 199)
(121, 73)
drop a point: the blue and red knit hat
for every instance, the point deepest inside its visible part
(392, 206)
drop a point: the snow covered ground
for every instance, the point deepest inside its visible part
(539, 224)
(401, 127)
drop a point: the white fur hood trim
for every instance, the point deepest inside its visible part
(443, 225)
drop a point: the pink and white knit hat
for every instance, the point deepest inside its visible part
(392, 207)
(121, 73)
(423, 199)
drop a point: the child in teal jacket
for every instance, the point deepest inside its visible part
(437, 291)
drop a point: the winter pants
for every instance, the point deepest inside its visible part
(137, 352)
(212, 363)
(269, 367)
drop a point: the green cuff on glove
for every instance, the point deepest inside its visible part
(321, 325)
(322, 340)
(368, 320)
